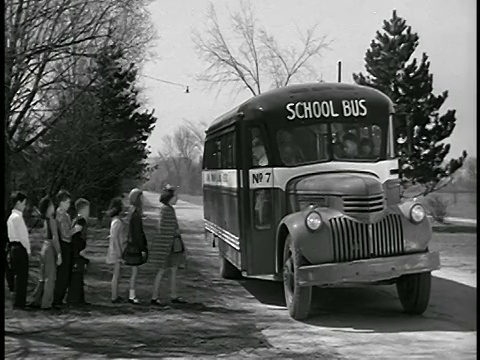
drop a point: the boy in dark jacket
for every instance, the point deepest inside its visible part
(76, 294)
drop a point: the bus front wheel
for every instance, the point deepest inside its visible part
(414, 292)
(297, 298)
(228, 270)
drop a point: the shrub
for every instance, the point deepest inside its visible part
(437, 205)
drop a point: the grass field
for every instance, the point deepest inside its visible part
(461, 205)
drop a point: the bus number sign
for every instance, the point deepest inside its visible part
(261, 178)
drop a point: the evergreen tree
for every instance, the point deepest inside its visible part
(409, 85)
(100, 144)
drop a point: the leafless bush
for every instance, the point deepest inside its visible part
(438, 207)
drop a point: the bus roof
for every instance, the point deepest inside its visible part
(312, 91)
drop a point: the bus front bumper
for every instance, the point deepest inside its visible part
(368, 270)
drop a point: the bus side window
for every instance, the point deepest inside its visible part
(218, 154)
(259, 150)
(209, 157)
(262, 209)
(228, 151)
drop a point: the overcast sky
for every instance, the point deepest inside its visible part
(447, 30)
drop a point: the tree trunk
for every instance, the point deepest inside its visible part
(7, 178)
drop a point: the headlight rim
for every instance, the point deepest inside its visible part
(411, 212)
(306, 220)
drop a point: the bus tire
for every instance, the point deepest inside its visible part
(414, 292)
(297, 298)
(228, 270)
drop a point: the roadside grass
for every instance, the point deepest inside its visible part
(192, 199)
(460, 205)
(454, 229)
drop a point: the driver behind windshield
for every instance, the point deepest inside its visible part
(289, 151)
(259, 153)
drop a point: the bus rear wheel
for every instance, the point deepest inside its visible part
(414, 292)
(228, 270)
(297, 298)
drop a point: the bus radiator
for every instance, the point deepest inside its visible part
(353, 240)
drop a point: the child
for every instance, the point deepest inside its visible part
(65, 232)
(76, 295)
(116, 245)
(19, 248)
(50, 257)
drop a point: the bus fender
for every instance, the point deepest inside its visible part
(293, 224)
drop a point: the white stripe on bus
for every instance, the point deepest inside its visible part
(279, 177)
(223, 234)
(381, 169)
(226, 178)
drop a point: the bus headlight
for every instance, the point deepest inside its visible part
(313, 221)
(417, 213)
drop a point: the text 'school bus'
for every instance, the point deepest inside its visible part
(302, 183)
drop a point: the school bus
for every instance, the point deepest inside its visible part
(302, 183)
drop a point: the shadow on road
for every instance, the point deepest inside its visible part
(378, 308)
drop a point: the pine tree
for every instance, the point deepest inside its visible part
(122, 128)
(101, 141)
(409, 84)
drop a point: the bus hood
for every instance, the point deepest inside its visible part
(340, 184)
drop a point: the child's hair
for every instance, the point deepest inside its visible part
(115, 208)
(43, 205)
(17, 196)
(62, 195)
(167, 195)
(81, 203)
(349, 137)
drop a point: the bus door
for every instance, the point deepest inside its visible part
(258, 203)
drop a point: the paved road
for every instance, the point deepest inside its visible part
(362, 323)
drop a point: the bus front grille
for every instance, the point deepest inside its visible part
(363, 204)
(354, 241)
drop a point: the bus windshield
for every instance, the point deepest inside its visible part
(331, 141)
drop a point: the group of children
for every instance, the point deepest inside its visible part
(61, 264)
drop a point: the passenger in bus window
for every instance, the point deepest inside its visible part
(262, 209)
(338, 149)
(259, 153)
(366, 148)
(350, 145)
(376, 139)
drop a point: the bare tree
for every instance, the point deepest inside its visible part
(254, 59)
(48, 44)
(179, 159)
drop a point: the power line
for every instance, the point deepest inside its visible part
(187, 88)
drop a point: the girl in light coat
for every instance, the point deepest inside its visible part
(116, 245)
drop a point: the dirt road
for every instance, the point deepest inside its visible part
(247, 319)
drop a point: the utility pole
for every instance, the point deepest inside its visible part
(339, 71)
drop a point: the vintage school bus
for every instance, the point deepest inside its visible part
(302, 183)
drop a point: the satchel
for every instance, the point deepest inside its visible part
(133, 256)
(80, 264)
(178, 246)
